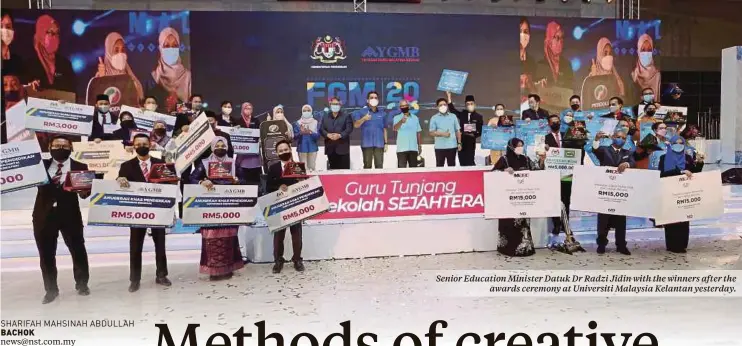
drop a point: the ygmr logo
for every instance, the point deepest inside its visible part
(114, 95)
(601, 92)
(234, 191)
(150, 189)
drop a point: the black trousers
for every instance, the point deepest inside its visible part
(185, 177)
(443, 156)
(566, 194)
(250, 175)
(46, 243)
(605, 223)
(136, 243)
(677, 236)
(296, 243)
(407, 159)
(466, 155)
(373, 154)
(337, 161)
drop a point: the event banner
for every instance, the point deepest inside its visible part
(303, 200)
(190, 145)
(222, 205)
(634, 192)
(21, 166)
(244, 140)
(563, 160)
(145, 120)
(687, 199)
(496, 138)
(523, 194)
(403, 195)
(57, 117)
(102, 157)
(139, 205)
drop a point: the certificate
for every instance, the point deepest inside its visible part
(21, 166)
(101, 157)
(452, 81)
(224, 205)
(605, 125)
(302, 201)
(139, 205)
(563, 160)
(245, 141)
(55, 117)
(190, 145)
(497, 138)
(635, 192)
(686, 199)
(661, 112)
(529, 132)
(523, 194)
(145, 120)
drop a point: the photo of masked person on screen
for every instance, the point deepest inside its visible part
(528, 66)
(555, 70)
(604, 64)
(171, 80)
(115, 61)
(50, 69)
(11, 62)
(646, 74)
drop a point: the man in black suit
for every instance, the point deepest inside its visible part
(276, 181)
(613, 156)
(336, 129)
(554, 140)
(137, 170)
(534, 111)
(102, 117)
(471, 128)
(55, 211)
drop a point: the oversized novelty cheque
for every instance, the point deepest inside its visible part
(602, 189)
(21, 166)
(102, 157)
(687, 199)
(523, 194)
(222, 205)
(64, 118)
(190, 145)
(145, 120)
(139, 205)
(301, 201)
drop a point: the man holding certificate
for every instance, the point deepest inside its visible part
(471, 125)
(138, 170)
(57, 210)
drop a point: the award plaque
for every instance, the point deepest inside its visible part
(79, 181)
(162, 173)
(220, 170)
(294, 170)
(469, 127)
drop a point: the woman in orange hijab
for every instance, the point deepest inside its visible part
(51, 70)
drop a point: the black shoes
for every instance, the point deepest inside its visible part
(220, 277)
(299, 265)
(49, 297)
(601, 249)
(624, 251)
(163, 281)
(83, 290)
(277, 267)
(133, 286)
(678, 251)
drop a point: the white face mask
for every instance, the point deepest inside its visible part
(470, 108)
(7, 36)
(306, 114)
(443, 109)
(373, 102)
(150, 107)
(500, 112)
(118, 61)
(518, 151)
(226, 110)
(607, 62)
(104, 109)
(278, 116)
(568, 119)
(524, 39)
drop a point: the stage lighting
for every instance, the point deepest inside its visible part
(78, 27)
(586, 1)
(564, 1)
(78, 63)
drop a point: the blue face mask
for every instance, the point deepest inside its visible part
(645, 58)
(170, 55)
(306, 115)
(619, 142)
(678, 148)
(648, 98)
(335, 108)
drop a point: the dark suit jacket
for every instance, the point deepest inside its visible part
(551, 140)
(609, 157)
(98, 128)
(342, 124)
(535, 115)
(475, 118)
(275, 180)
(133, 172)
(690, 164)
(67, 202)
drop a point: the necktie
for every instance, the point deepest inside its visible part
(58, 175)
(145, 171)
(558, 139)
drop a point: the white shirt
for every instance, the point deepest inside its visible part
(104, 118)
(66, 166)
(148, 162)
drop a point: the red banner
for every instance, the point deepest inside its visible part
(375, 195)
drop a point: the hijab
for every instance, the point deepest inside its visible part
(310, 122)
(674, 160)
(515, 161)
(47, 59)
(646, 77)
(175, 79)
(599, 71)
(213, 158)
(162, 141)
(246, 117)
(288, 124)
(551, 30)
(110, 43)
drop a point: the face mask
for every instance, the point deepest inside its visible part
(533, 106)
(127, 124)
(284, 156)
(678, 148)
(150, 107)
(278, 116)
(335, 108)
(662, 132)
(555, 126)
(524, 39)
(220, 152)
(500, 112)
(614, 109)
(196, 106)
(226, 110)
(575, 107)
(104, 109)
(373, 102)
(118, 61)
(60, 155)
(568, 119)
(170, 55)
(13, 96)
(650, 113)
(470, 109)
(648, 98)
(518, 151)
(645, 58)
(619, 142)
(443, 109)
(607, 62)
(623, 129)
(160, 131)
(7, 36)
(404, 110)
(142, 151)
(51, 43)
(306, 115)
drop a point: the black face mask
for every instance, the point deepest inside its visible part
(650, 113)
(13, 96)
(220, 152)
(405, 110)
(142, 151)
(574, 107)
(632, 131)
(60, 155)
(160, 132)
(555, 126)
(127, 124)
(285, 156)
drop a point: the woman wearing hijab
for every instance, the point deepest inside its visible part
(676, 161)
(115, 61)
(646, 74)
(250, 164)
(159, 135)
(528, 66)
(220, 247)
(515, 234)
(126, 121)
(51, 70)
(170, 78)
(278, 114)
(555, 71)
(499, 120)
(307, 137)
(603, 64)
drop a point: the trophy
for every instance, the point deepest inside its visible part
(220, 170)
(79, 181)
(162, 173)
(295, 170)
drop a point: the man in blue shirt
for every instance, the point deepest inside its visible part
(372, 122)
(409, 139)
(443, 127)
(335, 129)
